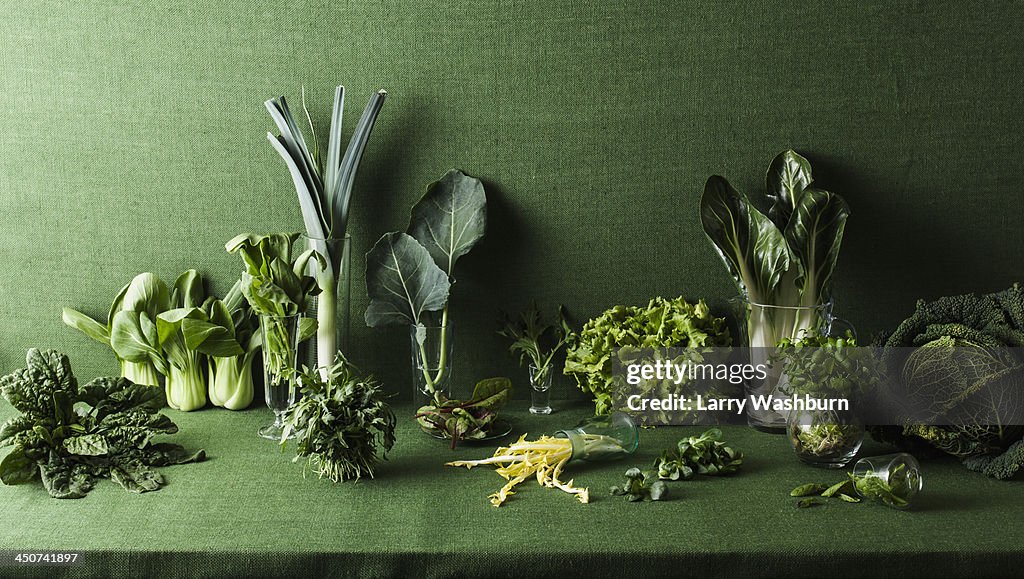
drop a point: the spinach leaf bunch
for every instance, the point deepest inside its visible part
(341, 422)
(69, 435)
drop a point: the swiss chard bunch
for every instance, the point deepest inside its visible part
(69, 435)
(535, 340)
(466, 420)
(785, 258)
(341, 422)
(706, 454)
(637, 487)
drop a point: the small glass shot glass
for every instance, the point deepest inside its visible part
(892, 479)
(540, 386)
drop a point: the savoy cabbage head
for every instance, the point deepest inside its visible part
(966, 374)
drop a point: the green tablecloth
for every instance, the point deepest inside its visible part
(249, 511)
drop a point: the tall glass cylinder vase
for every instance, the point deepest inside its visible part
(762, 328)
(280, 354)
(432, 347)
(331, 305)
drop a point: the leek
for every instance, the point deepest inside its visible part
(324, 188)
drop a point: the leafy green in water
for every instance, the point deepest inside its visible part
(467, 420)
(535, 340)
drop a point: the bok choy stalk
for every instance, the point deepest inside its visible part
(130, 330)
(186, 381)
(324, 188)
(785, 258)
(230, 339)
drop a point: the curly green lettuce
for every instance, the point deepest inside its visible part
(662, 323)
(109, 434)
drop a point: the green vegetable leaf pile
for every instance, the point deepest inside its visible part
(341, 422)
(637, 487)
(466, 420)
(69, 435)
(662, 323)
(968, 372)
(706, 454)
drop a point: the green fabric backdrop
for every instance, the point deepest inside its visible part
(133, 139)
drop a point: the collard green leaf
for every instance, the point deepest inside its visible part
(788, 175)
(814, 235)
(403, 282)
(450, 218)
(752, 247)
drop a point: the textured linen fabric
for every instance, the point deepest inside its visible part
(248, 511)
(134, 140)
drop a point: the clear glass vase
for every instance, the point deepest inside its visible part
(762, 327)
(891, 479)
(605, 437)
(825, 438)
(331, 305)
(432, 348)
(540, 390)
(280, 354)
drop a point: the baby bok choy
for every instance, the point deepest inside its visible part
(130, 330)
(230, 338)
